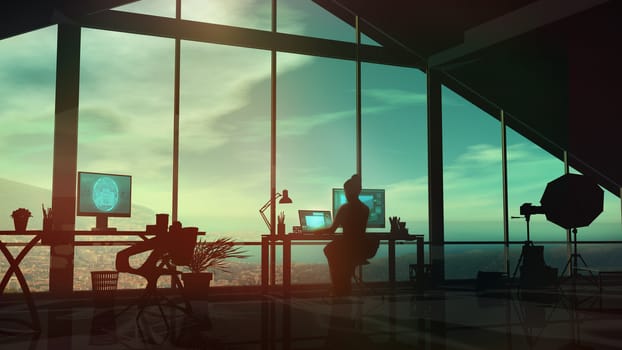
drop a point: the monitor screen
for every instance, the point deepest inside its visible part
(314, 219)
(372, 198)
(104, 194)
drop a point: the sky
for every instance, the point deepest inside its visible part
(126, 108)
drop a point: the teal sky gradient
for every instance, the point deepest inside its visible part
(126, 109)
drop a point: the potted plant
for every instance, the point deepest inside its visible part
(20, 219)
(208, 257)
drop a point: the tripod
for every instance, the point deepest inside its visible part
(527, 243)
(574, 258)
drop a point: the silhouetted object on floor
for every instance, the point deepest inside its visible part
(168, 250)
(534, 272)
(351, 249)
(572, 201)
(490, 280)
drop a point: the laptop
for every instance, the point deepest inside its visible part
(314, 219)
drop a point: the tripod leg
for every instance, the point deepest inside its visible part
(520, 259)
(566, 267)
(583, 261)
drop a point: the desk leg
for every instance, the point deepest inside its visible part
(14, 269)
(392, 263)
(264, 263)
(420, 284)
(287, 266)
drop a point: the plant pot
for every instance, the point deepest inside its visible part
(196, 285)
(20, 223)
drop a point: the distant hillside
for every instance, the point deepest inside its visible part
(15, 195)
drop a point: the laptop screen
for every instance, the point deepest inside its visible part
(314, 219)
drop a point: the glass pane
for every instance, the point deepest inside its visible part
(162, 8)
(394, 141)
(27, 85)
(224, 161)
(530, 168)
(309, 19)
(606, 226)
(316, 148)
(465, 261)
(309, 263)
(405, 255)
(35, 267)
(472, 172)
(254, 14)
(126, 115)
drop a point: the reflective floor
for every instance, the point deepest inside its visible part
(438, 319)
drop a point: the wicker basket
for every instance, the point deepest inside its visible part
(104, 284)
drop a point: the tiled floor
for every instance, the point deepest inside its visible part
(440, 319)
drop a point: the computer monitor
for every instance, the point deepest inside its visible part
(314, 219)
(104, 195)
(373, 198)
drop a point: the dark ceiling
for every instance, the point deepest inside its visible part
(553, 66)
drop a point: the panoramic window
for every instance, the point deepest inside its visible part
(316, 125)
(316, 148)
(253, 14)
(472, 182)
(472, 172)
(125, 127)
(224, 161)
(162, 8)
(530, 168)
(126, 118)
(394, 141)
(394, 154)
(27, 85)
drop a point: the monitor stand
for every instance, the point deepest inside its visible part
(101, 224)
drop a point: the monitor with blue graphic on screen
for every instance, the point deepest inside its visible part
(104, 195)
(372, 198)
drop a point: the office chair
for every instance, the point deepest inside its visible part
(369, 248)
(168, 250)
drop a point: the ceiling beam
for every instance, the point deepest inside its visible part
(244, 37)
(511, 25)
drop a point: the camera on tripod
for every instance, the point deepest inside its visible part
(527, 209)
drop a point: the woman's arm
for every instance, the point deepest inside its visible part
(333, 227)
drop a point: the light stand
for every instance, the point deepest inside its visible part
(574, 258)
(284, 200)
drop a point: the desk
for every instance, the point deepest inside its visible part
(286, 240)
(14, 261)
(14, 269)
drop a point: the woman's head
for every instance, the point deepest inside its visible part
(352, 187)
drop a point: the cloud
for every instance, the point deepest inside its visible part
(480, 154)
(395, 97)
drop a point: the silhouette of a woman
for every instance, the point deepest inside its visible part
(344, 253)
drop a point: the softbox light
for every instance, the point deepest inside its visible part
(572, 201)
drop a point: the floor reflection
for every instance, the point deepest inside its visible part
(435, 320)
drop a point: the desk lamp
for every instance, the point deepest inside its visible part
(284, 200)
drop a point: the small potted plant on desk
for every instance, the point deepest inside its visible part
(209, 255)
(20, 219)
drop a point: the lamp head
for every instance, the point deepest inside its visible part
(285, 198)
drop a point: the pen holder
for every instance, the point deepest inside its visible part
(47, 224)
(280, 228)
